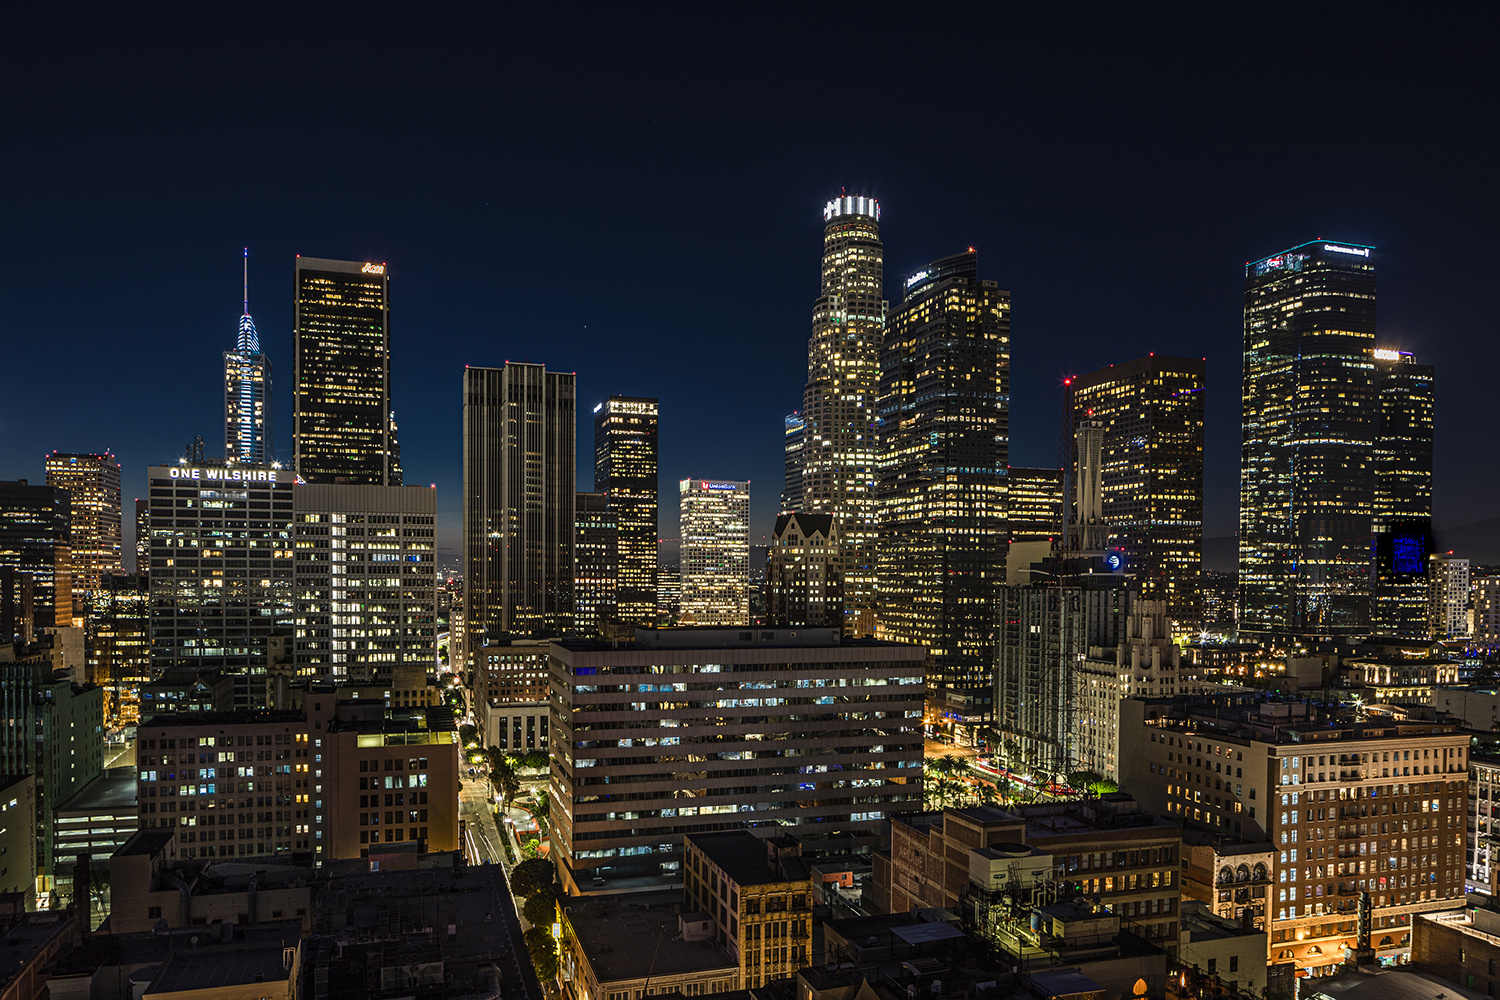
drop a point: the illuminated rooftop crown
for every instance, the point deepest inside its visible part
(249, 339)
(851, 204)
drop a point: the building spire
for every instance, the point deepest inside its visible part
(249, 339)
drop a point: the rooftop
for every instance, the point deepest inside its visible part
(257, 954)
(1201, 924)
(111, 792)
(627, 937)
(201, 719)
(146, 842)
(742, 856)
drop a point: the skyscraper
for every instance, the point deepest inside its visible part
(1448, 596)
(342, 425)
(944, 416)
(715, 554)
(791, 492)
(805, 572)
(1306, 462)
(1401, 502)
(247, 392)
(518, 502)
(625, 472)
(596, 558)
(1151, 411)
(93, 485)
(838, 405)
(35, 548)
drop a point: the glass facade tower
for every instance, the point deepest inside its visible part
(1307, 466)
(838, 405)
(625, 472)
(247, 392)
(93, 485)
(944, 418)
(715, 530)
(342, 425)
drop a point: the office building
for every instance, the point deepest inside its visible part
(625, 473)
(18, 841)
(50, 728)
(1151, 471)
(341, 400)
(1485, 616)
(221, 569)
(790, 727)
(944, 417)
(1481, 858)
(1401, 500)
(36, 546)
(597, 561)
(715, 553)
(247, 392)
(1448, 596)
(1307, 486)
(1033, 520)
(93, 486)
(512, 670)
(669, 594)
(805, 572)
(518, 502)
(608, 957)
(1326, 794)
(97, 821)
(142, 536)
(758, 897)
(791, 490)
(364, 582)
(118, 626)
(839, 446)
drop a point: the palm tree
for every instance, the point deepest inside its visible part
(503, 777)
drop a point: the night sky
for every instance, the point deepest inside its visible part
(635, 194)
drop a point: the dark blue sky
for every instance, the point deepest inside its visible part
(637, 197)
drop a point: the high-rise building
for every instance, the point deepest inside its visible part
(221, 569)
(1151, 411)
(36, 547)
(518, 502)
(1306, 463)
(1485, 617)
(118, 625)
(791, 492)
(142, 536)
(93, 485)
(1401, 500)
(1033, 519)
(596, 560)
(805, 572)
(944, 417)
(840, 448)
(365, 582)
(247, 392)
(1448, 596)
(342, 424)
(741, 749)
(715, 554)
(625, 473)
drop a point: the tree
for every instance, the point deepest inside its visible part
(503, 775)
(468, 735)
(536, 760)
(543, 952)
(542, 814)
(532, 876)
(541, 907)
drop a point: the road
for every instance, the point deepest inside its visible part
(479, 817)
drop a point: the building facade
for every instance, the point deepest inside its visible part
(36, 553)
(222, 567)
(758, 897)
(791, 490)
(715, 553)
(708, 739)
(364, 581)
(247, 392)
(1306, 461)
(118, 626)
(1365, 820)
(93, 486)
(839, 445)
(596, 562)
(944, 416)
(625, 452)
(518, 501)
(341, 399)
(1448, 596)
(805, 572)
(1401, 501)
(1151, 411)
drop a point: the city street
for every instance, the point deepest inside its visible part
(479, 818)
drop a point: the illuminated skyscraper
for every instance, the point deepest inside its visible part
(944, 409)
(625, 472)
(715, 552)
(1402, 499)
(1151, 411)
(342, 425)
(93, 485)
(838, 405)
(596, 558)
(1306, 463)
(35, 552)
(519, 430)
(805, 572)
(247, 392)
(791, 493)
